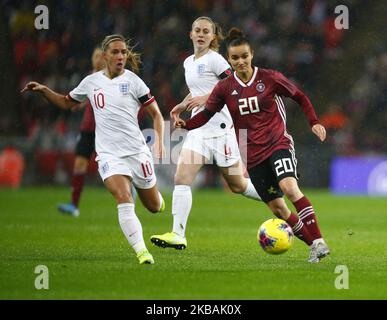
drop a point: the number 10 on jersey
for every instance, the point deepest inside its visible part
(99, 100)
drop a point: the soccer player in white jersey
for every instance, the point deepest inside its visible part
(214, 141)
(116, 95)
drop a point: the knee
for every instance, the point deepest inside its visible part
(237, 187)
(182, 179)
(291, 192)
(122, 196)
(80, 165)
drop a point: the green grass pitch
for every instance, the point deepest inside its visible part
(89, 258)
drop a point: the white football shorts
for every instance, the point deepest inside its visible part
(223, 149)
(139, 168)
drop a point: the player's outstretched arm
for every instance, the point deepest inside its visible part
(195, 122)
(55, 98)
(158, 125)
(187, 104)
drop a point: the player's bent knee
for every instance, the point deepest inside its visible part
(182, 179)
(121, 196)
(237, 188)
(291, 193)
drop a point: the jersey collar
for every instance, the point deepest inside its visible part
(251, 80)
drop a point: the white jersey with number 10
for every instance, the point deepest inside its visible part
(116, 103)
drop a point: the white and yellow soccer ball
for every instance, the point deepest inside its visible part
(275, 236)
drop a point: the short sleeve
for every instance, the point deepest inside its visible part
(219, 64)
(142, 92)
(79, 94)
(216, 100)
(140, 88)
(185, 63)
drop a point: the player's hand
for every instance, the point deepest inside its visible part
(319, 131)
(196, 102)
(175, 112)
(33, 86)
(179, 123)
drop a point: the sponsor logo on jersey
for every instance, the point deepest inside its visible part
(260, 87)
(234, 93)
(124, 88)
(201, 69)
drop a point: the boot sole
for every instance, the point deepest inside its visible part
(163, 244)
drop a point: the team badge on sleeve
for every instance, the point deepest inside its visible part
(260, 87)
(124, 88)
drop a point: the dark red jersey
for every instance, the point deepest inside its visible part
(88, 122)
(258, 108)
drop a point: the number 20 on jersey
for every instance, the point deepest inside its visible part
(248, 105)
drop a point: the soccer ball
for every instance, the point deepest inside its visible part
(275, 236)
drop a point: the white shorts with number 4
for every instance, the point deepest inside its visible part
(223, 149)
(138, 167)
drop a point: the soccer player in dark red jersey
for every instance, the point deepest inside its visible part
(84, 148)
(253, 97)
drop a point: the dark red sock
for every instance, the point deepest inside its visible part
(77, 182)
(308, 217)
(299, 229)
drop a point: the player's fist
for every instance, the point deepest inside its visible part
(319, 131)
(33, 86)
(179, 123)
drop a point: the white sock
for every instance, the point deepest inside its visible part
(131, 226)
(319, 240)
(181, 207)
(250, 191)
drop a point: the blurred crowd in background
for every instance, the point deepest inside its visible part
(297, 37)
